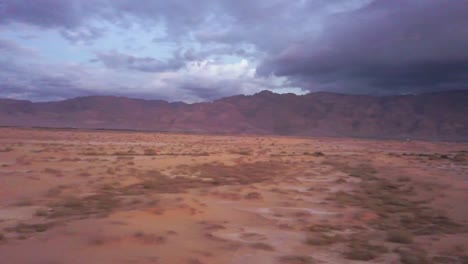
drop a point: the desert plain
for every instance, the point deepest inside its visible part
(82, 196)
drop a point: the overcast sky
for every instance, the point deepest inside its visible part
(200, 50)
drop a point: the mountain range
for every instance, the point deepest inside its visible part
(431, 116)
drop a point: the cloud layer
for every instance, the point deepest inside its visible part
(182, 50)
(386, 46)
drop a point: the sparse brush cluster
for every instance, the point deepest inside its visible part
(399, 215)
(321, 201)
(6, 149)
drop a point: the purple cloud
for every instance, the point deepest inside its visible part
(354, 46)
(11, 47)
(118, 60)
(387, 45)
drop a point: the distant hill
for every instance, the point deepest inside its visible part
(434, 116)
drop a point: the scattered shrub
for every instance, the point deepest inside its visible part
(97, 240)
(24, 202)
(323, 228)
(253, 196)
(41, 212)
(55, 191)
(149, 152)
(31, 228)
(413, 256)
(7, 149)
(51, 171)
(297, 260)
(323, 240)
(445, 260)
(315, 154)
(262, 246)
(244, 152)
(138, 234)
(399, 236)
(92, 205)
(404, 179)
(363, 250)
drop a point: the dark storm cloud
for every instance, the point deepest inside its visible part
(44, 89)
(223, 21)
(387, 46)
(360, 46)
(118, 60)
(44, 13)
(33, 83)
(73, 17)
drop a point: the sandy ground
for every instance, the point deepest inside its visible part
(125, 197)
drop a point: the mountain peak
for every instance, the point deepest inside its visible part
(265, 92)
(440, 116)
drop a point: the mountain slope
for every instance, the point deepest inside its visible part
(435, 116)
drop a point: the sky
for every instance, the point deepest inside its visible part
(201, 50)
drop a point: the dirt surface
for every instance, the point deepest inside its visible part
(125, 197)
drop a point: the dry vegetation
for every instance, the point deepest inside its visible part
(168, 198)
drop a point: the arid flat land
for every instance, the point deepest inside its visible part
(125, 197)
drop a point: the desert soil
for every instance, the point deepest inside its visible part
(102, 197)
